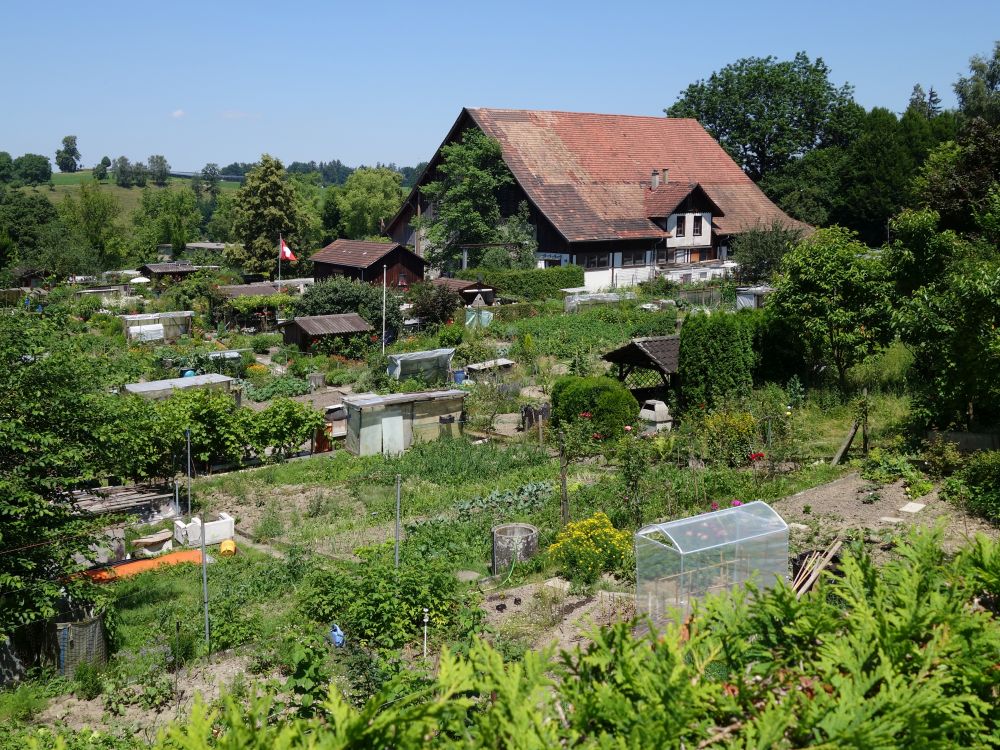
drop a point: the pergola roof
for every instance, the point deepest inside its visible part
(659, 353)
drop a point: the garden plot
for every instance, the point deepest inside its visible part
(851, 503)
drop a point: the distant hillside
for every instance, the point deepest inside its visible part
(66, 183)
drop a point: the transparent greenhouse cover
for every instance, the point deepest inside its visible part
(719, 527)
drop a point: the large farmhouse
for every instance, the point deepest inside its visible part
(628, 198)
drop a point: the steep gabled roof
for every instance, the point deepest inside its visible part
(665, 199)
(589, 174)
(356, 254)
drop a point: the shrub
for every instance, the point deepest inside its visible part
(716, 359)
(980, 478)
(587, 548)
(729, 436)
(605, 402)
(942, 457)
(528, 284)
(451, 335)
(88, 681)
(285, 385)
(433, 303)
(261, 343)
(340, 295)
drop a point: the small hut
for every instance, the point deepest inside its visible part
(391, 424)
(468, 290)
(304, 331)
(647, 366)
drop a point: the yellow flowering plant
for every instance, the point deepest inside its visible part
(587, 548)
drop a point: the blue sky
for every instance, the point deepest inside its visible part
(383, 81)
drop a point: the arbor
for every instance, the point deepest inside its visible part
(760, 249)
(368, 199)
(121, 170)
(765, 112)
(836, 295)
(264, 207)
(919, 253)
(466, 198)
(210, 179)
(339, 295)
(32, 169)
(158, 169)
(68, 157)
(979, 92)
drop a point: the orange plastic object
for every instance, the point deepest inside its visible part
(135, 567)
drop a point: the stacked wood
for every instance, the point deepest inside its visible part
(813, 566)
(104, 500)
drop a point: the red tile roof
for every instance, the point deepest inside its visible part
(355, 253)
(589, 174)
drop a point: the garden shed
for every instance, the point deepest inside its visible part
(429, 365)
(647, 366)
(679, 562)
(751, 297)
(391, 424)
(304, 331)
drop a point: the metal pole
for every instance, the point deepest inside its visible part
(384, 271)
(279, 263)
(187, 435)
(204, 582)
(425, 632)
(398, 488)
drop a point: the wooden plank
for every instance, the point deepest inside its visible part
(839, 456)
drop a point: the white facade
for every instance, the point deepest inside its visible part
(689, 239)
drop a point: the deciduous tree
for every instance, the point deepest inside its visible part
(68, 157)
(760, 249)
(979, 92)
(765, 112)
(32, 169)
(158, 169)
(368, 199)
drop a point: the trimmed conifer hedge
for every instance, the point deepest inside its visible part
(528, 284)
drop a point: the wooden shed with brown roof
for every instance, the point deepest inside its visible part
(366, 261)
(468, 290)
(305, 331)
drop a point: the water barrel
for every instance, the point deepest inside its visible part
(459, 377)
(513, 542)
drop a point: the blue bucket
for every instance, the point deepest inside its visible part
(459, 377)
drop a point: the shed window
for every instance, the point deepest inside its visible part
(681, 228)
(596, 260)
(696, 225)
(633, 258)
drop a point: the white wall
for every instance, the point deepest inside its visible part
(689, 240)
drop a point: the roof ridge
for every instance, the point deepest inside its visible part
(657, 118)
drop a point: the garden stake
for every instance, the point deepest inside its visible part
(398, 480)
(425, 632)
(562, 477)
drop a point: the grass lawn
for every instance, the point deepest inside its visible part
(823, 427)
(130, 198)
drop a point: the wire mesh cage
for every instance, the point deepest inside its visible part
(679, 562)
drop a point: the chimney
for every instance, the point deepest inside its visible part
(654, 181)
(666, 175)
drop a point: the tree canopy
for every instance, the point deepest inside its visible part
(368, 199)
(339, 295)
(68, 157)
(979, 92)
(766, 111)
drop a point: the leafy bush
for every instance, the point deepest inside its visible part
(528, 284)
(22, 702)
(884, 467)
(585, 549)
(340, 295)
(451, 335)
(88, 681)
(261, 343)
(979, 486)
(606, 403)
(283, 426)
(729, 436)
(942, 457)
(434, 304)
(257, 375)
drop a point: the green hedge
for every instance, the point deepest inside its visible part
(609, 403)
(716, 359)
(530, 284)
(981, 479)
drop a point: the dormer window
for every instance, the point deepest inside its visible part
(696, 226)
(681, 228)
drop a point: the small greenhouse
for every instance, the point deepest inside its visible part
(681, 561)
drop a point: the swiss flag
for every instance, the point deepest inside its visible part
(285, 252)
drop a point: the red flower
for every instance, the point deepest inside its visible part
(756, 456)
(714, 506)
(374, 337)
(585, 414)
(597, 436)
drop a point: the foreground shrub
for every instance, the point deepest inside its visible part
(978, 485)
(587, 548)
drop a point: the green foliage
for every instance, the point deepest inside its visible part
(368, 200)
(501, 505)
(32, 169)
(261, 343)
(836, 296)
(434, 304)
(979, 92)
(22, 702)
(88, 682)
(284, 426)
(380, 606)
(716, 359)
(941, 457)
(284, 386)
(759, 250)
(451, 335)
(339, 295)
(593, 330)
(218, 427)
(978, 485)
(729, 436)
(528, 284)
(765, 112)
(465, 197)
(604, 403)
(883, 467)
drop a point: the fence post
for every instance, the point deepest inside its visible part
(563, 462)
(398, 490)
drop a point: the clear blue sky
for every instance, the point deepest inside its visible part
(383, 81)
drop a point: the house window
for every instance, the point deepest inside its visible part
(663, 257)
(681, 221)
(633, 258)
(696, 225)
(596, 260)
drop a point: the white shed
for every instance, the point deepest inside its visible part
(391, 424)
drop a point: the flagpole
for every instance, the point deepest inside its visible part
(279, 262)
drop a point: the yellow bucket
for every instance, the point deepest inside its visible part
(227, 548)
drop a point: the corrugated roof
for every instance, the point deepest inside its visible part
(210, 378)
(261, 289)
(460, 285)
(659, 352)
(318, 325)
(356, 254)
(176, 267)
(371, 400)
(590, 173)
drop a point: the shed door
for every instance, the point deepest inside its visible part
(392, 431)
